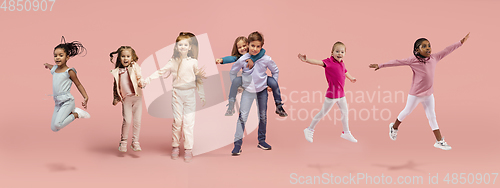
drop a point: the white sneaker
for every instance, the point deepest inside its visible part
(122, 147)
(393, 133)
(309, 134)
(348, 136)
(81, 113)
(442, 145)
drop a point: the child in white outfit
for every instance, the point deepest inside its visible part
(186, 78)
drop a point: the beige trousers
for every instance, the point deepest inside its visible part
(183, 108)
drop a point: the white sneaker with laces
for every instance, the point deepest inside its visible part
(309, 134)
(348, 136)
(81, 113)
(442, 145)
(393, 133)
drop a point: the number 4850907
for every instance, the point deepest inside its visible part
(26, 5)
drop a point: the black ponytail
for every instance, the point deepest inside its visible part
(72, 48)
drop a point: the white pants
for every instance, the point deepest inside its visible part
(132, 113)
(183, 108)
(427, 102)
(327, 106)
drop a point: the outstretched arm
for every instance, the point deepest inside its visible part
(226, 60)
(393, 63)
(74, 78)
(375, 66)
(303, 58)
(443, 53)
(163, 71)
(48, 66)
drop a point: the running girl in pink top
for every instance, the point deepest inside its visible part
(423, 65)
(335, 73)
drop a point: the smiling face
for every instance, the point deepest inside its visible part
(60, 57)
(183, 47)
(126, 57)
(425, 48)
(242, 47)
(255, 47)
(338, 52)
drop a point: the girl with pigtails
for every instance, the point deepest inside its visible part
(62, 79)
(127, 86)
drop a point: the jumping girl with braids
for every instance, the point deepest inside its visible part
(127, 86)
(62, 78)
(423, 65)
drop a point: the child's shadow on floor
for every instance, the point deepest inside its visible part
(410, 165)
(322, 167)
(60, 167)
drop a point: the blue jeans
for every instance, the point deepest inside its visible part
(245, 105)
(271, 82)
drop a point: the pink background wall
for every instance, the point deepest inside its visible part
(85, 153)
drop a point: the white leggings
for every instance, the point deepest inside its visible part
(327, 106)
(427, 102)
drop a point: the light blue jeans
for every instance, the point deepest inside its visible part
(247, 99)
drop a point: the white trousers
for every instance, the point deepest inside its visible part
(327, 106)
(429, 105)
(183, 108)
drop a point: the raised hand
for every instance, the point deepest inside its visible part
(374, 66)
(465, 38)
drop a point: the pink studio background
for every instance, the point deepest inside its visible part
(85, 153)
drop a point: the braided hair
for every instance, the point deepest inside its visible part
(416, 46)
(71, 48)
